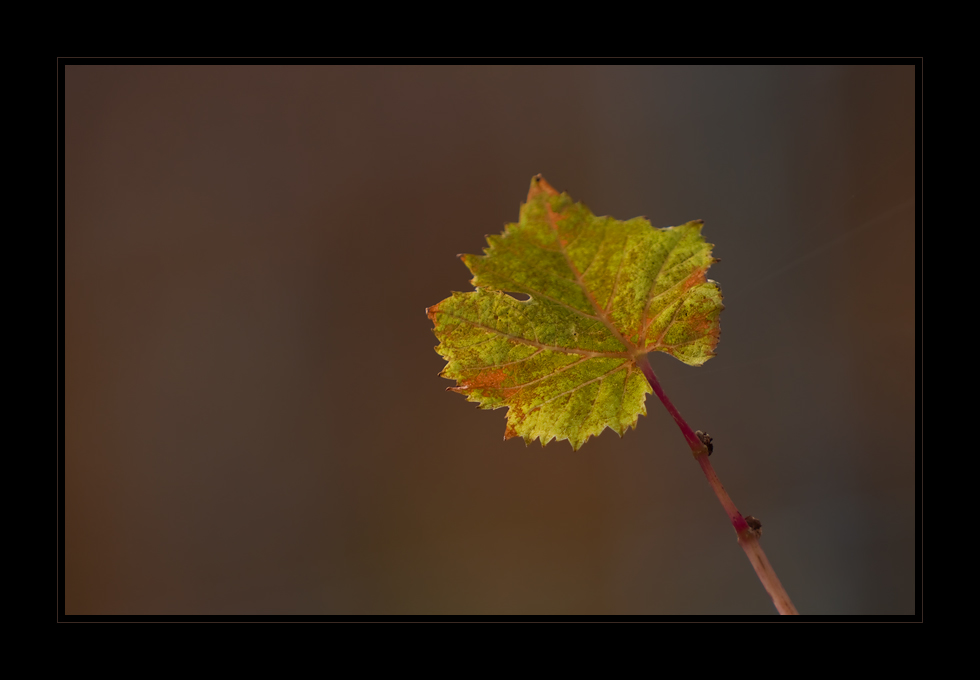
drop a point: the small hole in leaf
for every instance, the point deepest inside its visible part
(522, 297)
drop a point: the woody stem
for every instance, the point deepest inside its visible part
(747, 537)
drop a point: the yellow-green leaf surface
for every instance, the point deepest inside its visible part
(602, 294)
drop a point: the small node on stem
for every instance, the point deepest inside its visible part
(755, 526)
(706, 440)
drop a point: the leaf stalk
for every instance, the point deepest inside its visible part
(748, 537)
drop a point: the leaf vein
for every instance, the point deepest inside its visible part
(653, 286)
(531, 291)
(619, 270)
(666, 291)
(595, 255)
(558, 370)
(507, 363)
(673, 317)
(535, 343)
(622, 399)
(580, 386)
(581, 282)
(531, 265)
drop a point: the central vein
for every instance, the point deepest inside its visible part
(600, 311)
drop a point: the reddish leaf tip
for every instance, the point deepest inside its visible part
(539, 185)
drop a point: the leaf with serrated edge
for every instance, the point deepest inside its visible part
(602, 294)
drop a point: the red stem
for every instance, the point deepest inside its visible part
(747, 537)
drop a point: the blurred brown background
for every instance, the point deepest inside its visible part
(254, 420)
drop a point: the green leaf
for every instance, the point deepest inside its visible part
(603, 293)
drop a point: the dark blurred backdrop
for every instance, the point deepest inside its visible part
(253, 414)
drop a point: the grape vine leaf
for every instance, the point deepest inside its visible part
(602, 294)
